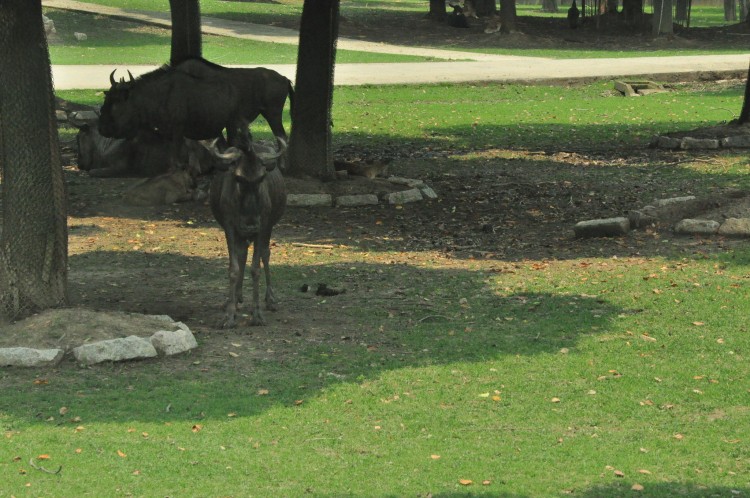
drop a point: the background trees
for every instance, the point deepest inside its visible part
(33, 238)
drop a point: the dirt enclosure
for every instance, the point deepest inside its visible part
(496, 210)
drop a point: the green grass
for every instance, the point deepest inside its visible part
(112, 41)
(543, 378)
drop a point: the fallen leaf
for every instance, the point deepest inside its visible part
(496, 398)
(43, 457)
(484, 395)
(41, 382)
(720, 341)
(299, 402)
(231, 414)
(233, 354)
(486, 482)
(121, 454)
(698, 324)
(79, 428)
(78, 451)
(262, 392)
(619, 473)
(679, 437)
(465, 482)
(555, 400)
(197, 428)
(637, 487)
(644, 471)
(136, 472)
(435, 457)
(647, 337)
(63, 410)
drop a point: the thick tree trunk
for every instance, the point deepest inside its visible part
(437, 9)
(730, 12)
(549, 6)
(745, 113)
(743, 6)
(662, 21)
(681, 11)
(33, 234)
(487, 8)
(310, 151)
(186, 30)
(508, 16)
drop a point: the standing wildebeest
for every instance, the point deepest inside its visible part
(247, 200)
(195, 99)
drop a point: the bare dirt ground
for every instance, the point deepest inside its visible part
(491, 212)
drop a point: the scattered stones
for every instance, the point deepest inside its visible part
(609, 227)
(668, 143)
(691, 143)
(356, 200)
(29, 357)
(125, 348)
(409, 182)
(697, 227)
(404, 197)
(673, 200)
(309, 200)
(427, 192)
(643, 217)
(735, 227)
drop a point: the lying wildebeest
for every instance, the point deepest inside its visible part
(146, 154)
(195, 99)
(247, 200)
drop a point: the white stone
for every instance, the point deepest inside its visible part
(84, 116)
(168, 342)
(735, 227)
(699, 143)
(673, 200)
(409, 182)
(127, 348)
(28, 357)
(736, 141)
(80, 36)
(309, 200)
(697, 227)
(181, 326)
(668, 143)
(163, 318)
(428, 192)
(607, 227)
(356, 200)
(405, 196)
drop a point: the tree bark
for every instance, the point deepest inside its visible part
(681, 10)
(745, 113)
(730, 12)
(662, 21)
(486, 8)
(186, 30)
(310, 150)
(508, 16)
(437, 10)
(33, 234)
(549, 6)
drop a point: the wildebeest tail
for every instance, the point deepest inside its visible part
(291, 96)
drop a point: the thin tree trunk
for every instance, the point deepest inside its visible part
(745, 113)
(33, 234)
(662, 21)
(508, 16)
(310, 150)
(186, 30)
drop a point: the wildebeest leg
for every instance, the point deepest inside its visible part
(255, 273)
(265, 245)
(237, 260)
(276, 123)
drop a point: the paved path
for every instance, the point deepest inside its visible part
(480, 67)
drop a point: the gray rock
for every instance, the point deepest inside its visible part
(697, 227)
(61, 116)
(736, 141)
(168, 342)
(404, 197)
(673, 200)
(427, 192)
(309, 200)
(28, 357)
(356, 200)
(642, 218)
(163, 318)
(84, 116)
(668, 143)
(735, 227)
(608, 227)
(409, 182)
(699, 143)
(127, 348)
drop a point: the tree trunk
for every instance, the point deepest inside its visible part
(743, 6)
(310, 150)
(437, 9)
(549, 6)
(730, 12)
(487, 8)
(745, 113)
(681, 11)
(33, 233)
(508, 16)
(662, 21)
(186, 30)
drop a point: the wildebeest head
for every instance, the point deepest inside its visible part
(250, 166)
(118, 119)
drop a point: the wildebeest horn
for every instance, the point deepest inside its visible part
(269, 159)
(112, 77)
(131, 75)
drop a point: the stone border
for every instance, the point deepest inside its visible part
(417, 191)
(690, 143)
(161, 343)
(613, 227)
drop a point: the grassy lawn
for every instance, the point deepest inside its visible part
(619, 370)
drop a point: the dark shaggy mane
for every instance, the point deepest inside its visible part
(167, 68)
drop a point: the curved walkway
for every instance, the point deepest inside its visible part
(472, 68)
